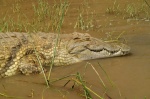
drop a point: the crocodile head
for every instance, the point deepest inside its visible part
(85, 47)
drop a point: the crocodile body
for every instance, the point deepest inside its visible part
(24, 53)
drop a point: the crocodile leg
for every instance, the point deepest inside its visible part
(21, 63)
(30, 65)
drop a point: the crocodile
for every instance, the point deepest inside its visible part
(26, 52)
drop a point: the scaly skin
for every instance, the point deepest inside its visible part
(21, 52)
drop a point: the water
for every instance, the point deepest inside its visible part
(130, 74)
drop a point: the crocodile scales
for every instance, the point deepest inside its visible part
(21, 52)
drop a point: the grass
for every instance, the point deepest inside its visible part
(38, 58)
(16, 8)
(85, 20)
(50, 17)
(132, 11)
(138, 10)
(80, 81)
(84, 23)
(46, 17)
(115, 9)
(58, 30)
(87, 90)
(8, 96)
(42, 11)
(112, 38)
(55, 13)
